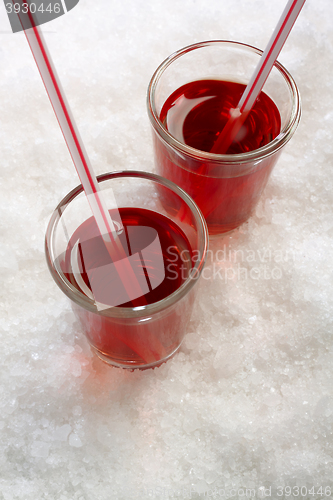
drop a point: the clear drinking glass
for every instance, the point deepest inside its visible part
(131, 336)
(226, 187)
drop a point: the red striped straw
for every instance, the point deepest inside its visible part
(76, 148)
(259, 77)
(81, 160)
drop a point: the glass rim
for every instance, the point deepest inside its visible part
(126, 312)
(280, 140)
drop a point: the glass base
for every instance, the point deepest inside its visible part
(131, 365)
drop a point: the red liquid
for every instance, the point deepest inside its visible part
(195, 114)
(125, 340)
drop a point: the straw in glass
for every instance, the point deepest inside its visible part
(85, 171)
(259, 77)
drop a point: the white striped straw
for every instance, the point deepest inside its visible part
(260, 75)
(77, 151)
(81, 161)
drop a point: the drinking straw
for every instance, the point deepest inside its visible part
(84, 169)
(77, 151)
(259, 77)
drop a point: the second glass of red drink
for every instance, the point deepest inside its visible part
(165, 238)
(190, 97)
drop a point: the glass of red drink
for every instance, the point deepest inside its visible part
(164, 235)
(189, 101)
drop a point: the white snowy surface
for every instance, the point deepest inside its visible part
(247, 403)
